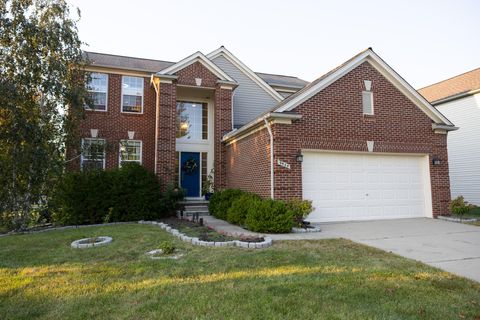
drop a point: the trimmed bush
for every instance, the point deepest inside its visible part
(126, 194)
(300, 210)
(237, 213)
(221, 201)
(269, 216)
(459, 206)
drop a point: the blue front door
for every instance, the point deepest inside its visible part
(190, 173)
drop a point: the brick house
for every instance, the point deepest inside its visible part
(359, 141)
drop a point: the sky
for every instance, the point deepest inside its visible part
(424, 41)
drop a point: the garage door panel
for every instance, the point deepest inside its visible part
(364, 186)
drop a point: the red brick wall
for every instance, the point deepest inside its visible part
(248, 164)
(333, 120)
(222, 125)
(167, 133)
(113, 125)
(187, 76)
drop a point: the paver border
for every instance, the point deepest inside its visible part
(78, 245)
(197, 242)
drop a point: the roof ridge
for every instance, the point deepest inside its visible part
(458, 75)
(280, 75)
(123, 56)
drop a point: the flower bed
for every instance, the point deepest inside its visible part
(223, 240)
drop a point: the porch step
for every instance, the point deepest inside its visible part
(191, 207)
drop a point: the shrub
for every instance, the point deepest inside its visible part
(126, 194)
(269, 216)
(167, 247)
(221, 201)
(459, 206)
(300, 210)
(237, 213)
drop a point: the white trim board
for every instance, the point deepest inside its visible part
(197, 57)
(222, 51)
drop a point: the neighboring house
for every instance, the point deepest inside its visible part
(359, 141)
(458, 98)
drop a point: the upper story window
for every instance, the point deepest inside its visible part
(98, 88)
(132, 94)
(130, 151)
(192, 120)
(93, 154)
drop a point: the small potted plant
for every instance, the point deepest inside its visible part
(207, 186)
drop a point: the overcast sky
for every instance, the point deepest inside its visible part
(424, 41)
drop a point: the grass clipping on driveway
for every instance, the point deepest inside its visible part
(42, 277)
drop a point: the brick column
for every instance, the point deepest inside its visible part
(166, 134)
(223, 125)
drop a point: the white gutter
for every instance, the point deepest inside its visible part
(267, 124)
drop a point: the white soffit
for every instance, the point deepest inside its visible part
(246, 70)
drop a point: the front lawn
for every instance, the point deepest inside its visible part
(42, 277)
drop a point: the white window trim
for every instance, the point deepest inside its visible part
(371, 103)
(106, 95)
(104, 152)
(143, 96)
(120, 153)
(209, 133)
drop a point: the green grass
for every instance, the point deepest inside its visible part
(42, 277)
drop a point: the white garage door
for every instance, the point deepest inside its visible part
(347, 186)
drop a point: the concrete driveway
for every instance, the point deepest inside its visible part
(450, 246)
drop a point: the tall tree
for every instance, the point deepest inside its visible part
(42, 93)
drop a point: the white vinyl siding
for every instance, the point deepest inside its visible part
(359, 186)
(367, 100)
(132, 94)
(250, 100)
(464, 147)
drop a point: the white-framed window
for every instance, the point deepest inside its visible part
(192, 120)
(93, 154)
(132, 94)
(130, 151)
(367, 101)
(98, 88)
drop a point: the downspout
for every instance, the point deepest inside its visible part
(267, 124)
(156, 85)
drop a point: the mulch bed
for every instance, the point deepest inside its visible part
(204, 233)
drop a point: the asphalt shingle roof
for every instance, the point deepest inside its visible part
(463, 83)
(151, 65)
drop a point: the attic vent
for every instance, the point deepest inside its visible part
(367, 100)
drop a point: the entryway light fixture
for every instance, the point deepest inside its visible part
(299, 156)
(131, 135)
(436, 161)
(93, 133)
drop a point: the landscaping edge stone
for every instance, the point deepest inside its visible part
(197, 242)
(452, 219)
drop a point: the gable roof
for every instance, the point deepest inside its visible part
(464, 84)
(222, 51)
(367, 55)
(196, 57)
(127, 63)
(371, 57)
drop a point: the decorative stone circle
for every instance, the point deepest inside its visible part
(157, 254)
(91, 242)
